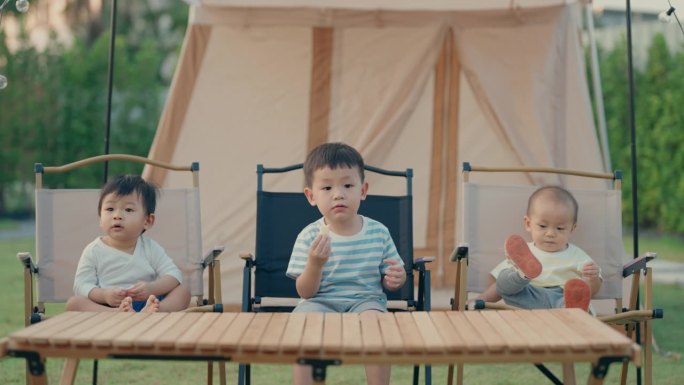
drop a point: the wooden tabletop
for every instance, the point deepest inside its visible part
(557, 335)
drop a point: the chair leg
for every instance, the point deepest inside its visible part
(69, 371)
(416, 370)
(244, 375)
(95, 371)
(647, 345)
(428, 375)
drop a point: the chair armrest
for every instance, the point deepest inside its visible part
(26, 260)
(212, 255)
(419, 263)
(637, 264)
(460, 252)
(246, 256)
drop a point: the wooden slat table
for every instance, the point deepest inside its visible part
(525, 336)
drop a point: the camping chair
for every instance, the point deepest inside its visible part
(282, 215)
(67, 220)
(492, 212)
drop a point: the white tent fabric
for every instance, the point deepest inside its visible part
(423, 85)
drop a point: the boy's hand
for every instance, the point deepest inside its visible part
(395, 275)
(113, 296)
(141, 291)
(319, 252)
(590, 270)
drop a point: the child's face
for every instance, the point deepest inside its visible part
(550, 224)
(337, 193)
(123, 218)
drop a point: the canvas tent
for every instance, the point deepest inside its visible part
(420, 84)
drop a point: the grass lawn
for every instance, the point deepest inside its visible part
(667, 369)
(668, 247)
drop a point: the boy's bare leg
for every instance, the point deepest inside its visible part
(81, 303)
(151, 306)
(302, 375)
(176, 300)
(378, 375)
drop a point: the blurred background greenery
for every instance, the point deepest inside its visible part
(54, 109)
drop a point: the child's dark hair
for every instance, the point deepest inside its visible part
(558, 194)
(332, 155)
(127, 184)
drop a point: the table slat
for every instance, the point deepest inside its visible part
(575, 341)
(600, 336)
(413, 342)
(96, 326)
(270, 341)
(127, 339)
(63, 337)
(472, 340)
(370, 332)
(252, 336)
(173, 333)
(313, 338)
(293, 332)
(389, 329)
(209, 340)
(351, 333)
(150, 336)
(515, 319)
(230, 339)
(514, 342)
(452, 340)
(43, 329)
(491, 337)
(332, 333)
(431, 337)
(105, 338)
(189, 339)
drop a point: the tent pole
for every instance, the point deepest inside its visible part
(598, 91)
(110, 82)
(635, 207)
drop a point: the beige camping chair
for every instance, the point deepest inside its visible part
(67, 220)
(493, 212)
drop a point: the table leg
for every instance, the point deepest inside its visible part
(222, 372)
(210, 371)
(569, 373)
(69, 371)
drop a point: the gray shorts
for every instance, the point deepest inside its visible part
(322, 305)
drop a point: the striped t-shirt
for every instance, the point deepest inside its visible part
(355, 266)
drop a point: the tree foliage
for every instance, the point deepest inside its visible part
(659, 127)
(54, 109)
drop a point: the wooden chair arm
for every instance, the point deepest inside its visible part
(637, 264)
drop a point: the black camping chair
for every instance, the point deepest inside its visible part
(280, 218)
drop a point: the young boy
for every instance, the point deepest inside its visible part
(340, 260)
(124, 270)
(548, 272)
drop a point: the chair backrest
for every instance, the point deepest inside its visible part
(67, 220)
(492, 212)
(282, 215)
